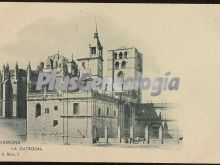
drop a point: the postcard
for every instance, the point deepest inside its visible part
(97, 82)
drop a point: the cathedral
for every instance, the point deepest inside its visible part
(81, 116)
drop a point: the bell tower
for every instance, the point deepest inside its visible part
(96, 51)
(94, 63)
(126, 62)
(95, 47)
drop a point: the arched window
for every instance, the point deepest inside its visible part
(116, 65)
(48, 65)
(93, 50)
(120, 55)
(120, 75)
(114, 113)
(115, 55)
(99, 111)
(84, 65)
(51, 63)
(107, 111)
(37, 110)
(41, 65)
(123, 64)
(125, 54)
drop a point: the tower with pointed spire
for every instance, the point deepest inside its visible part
(95, 46)
(93, 63)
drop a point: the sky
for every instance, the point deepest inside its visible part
(182, 39)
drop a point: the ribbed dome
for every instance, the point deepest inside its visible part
(56, 61)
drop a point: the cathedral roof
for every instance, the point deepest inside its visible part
(56, 60)
(57, 57)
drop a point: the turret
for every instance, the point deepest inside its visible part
(0, 76)
(16, 71)
(7, 67)
(3, 73)
(29, 72)
(6, 72)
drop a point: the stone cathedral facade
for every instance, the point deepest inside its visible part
(84, 116)
(13, 101)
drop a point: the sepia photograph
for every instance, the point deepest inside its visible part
(98, 82)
